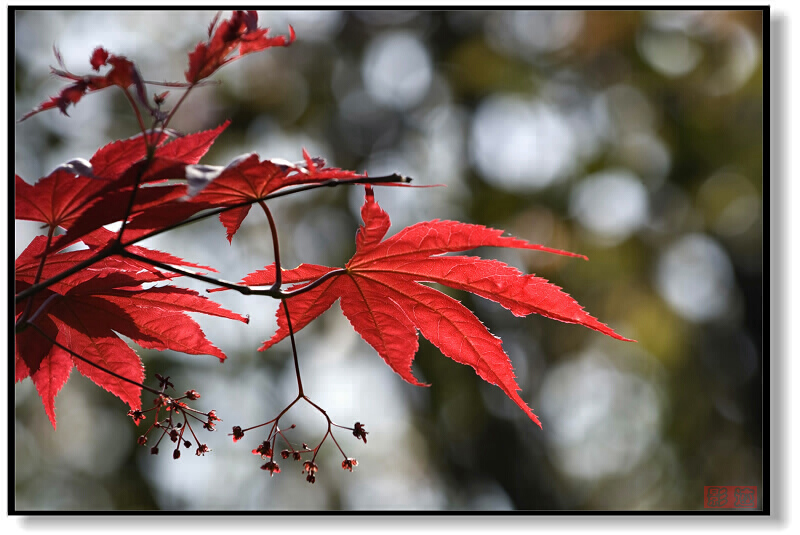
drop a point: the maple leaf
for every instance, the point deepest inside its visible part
(84, 313)
(380, 294)
(240, 31)
(61, 197)
(82, 205)
(245, 180)
(123, 73)
(249, 179)
(57, 199)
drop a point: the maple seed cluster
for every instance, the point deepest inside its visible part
(174, 408)
(266, 450)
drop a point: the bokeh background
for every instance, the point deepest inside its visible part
(632, 137)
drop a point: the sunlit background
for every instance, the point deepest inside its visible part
(632, 137)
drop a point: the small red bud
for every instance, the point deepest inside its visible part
(348, 464)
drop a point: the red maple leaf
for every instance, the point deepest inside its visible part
(84, 313)
(380, 293)
(61, 197)
(248, 179)
(57, 199)
(240, 31)
(82, 205)
(123, 73)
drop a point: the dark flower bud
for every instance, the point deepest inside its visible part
(142, 440)
(285, 454)
(154, 450)
(159, 98)
(263, 449)
(238, 434)
(164, 381)
(137, 416)
(273, 468)
(360, 432)
(176, 454)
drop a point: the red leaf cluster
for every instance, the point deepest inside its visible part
(240, 32)
(83, 313)
(123, 74)
(72, 306)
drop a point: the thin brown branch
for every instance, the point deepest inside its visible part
(333, 182)
(294, 350)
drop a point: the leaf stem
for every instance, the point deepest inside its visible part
(42, 308)
(314, 284)
(275, 246)
(173, 111)
(138, 116)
